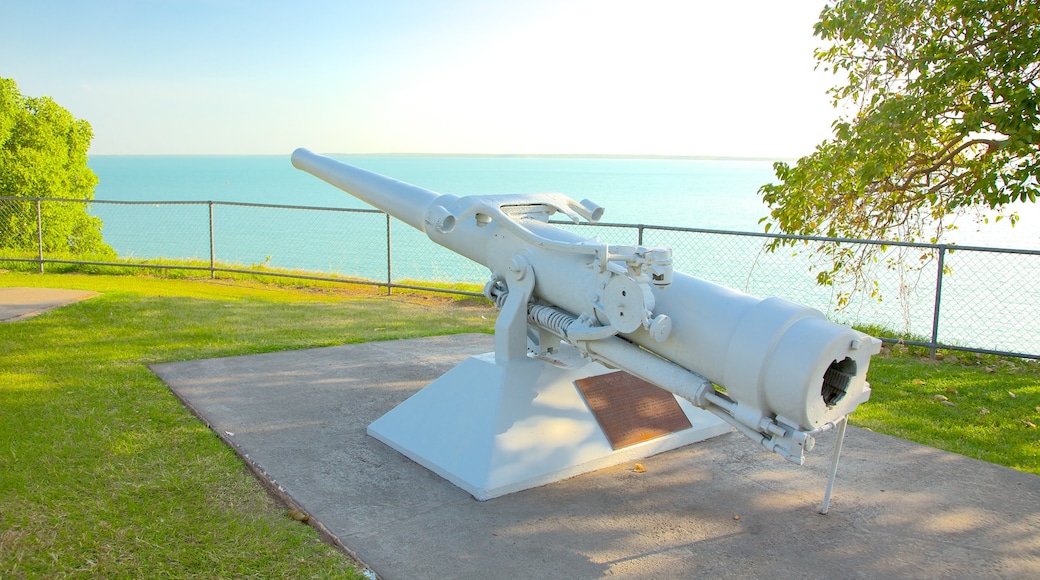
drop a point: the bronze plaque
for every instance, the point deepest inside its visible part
(631, 410)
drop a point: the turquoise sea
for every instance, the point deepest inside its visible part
(987, 299)
(695, 193)
(675, 192)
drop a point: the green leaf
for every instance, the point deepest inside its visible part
(943, 117)
(43, 153)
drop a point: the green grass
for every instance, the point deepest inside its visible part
(104, 473)
(979, 406)
(193, 269)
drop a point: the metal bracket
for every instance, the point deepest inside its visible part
(842, 424)
(511, 325)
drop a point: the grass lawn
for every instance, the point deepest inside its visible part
(980, 406)
(104, 473)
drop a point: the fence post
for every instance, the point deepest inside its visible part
(389, 277)
(212, 251)
(938, 299)
(639, 236)
(39, 234)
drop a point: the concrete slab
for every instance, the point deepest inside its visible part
(723, 508)
(22, 303)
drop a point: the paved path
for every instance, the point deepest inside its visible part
(22, 303)
(723, 508)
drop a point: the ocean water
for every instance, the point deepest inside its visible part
(988, 299)
(672, 192)
(718, 194)
(695, 193)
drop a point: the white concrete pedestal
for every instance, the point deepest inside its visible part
(494, 430)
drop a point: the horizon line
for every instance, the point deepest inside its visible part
(650, 156)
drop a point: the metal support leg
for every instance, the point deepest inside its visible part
(511, 325)
(843, 423)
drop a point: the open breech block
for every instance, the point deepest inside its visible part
(493, 429)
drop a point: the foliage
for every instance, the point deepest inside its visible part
(940, 119)
(43, 153)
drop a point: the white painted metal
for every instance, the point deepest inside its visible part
(508, 420)
(826, 505)
(406, 202)
(787, 371)
(493, 428)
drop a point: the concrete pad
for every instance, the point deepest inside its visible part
(724, 508)
(22, 303)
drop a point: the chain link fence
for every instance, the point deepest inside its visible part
(957, 298)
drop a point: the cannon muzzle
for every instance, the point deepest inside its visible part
(404, 201)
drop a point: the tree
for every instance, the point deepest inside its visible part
(43, 153)
(941, 119)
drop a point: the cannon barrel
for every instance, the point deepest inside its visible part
(785, 369)
(404, 201)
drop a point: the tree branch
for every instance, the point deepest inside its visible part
(991, 145)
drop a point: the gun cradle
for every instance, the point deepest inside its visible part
(783, 371)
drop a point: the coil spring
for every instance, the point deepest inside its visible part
(497, 291)
(550, 318)
(547, 317)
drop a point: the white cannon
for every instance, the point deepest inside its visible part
(574, 307)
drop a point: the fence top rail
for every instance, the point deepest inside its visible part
(192, 202)
(941, 247)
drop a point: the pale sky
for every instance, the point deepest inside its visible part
(665, 77)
